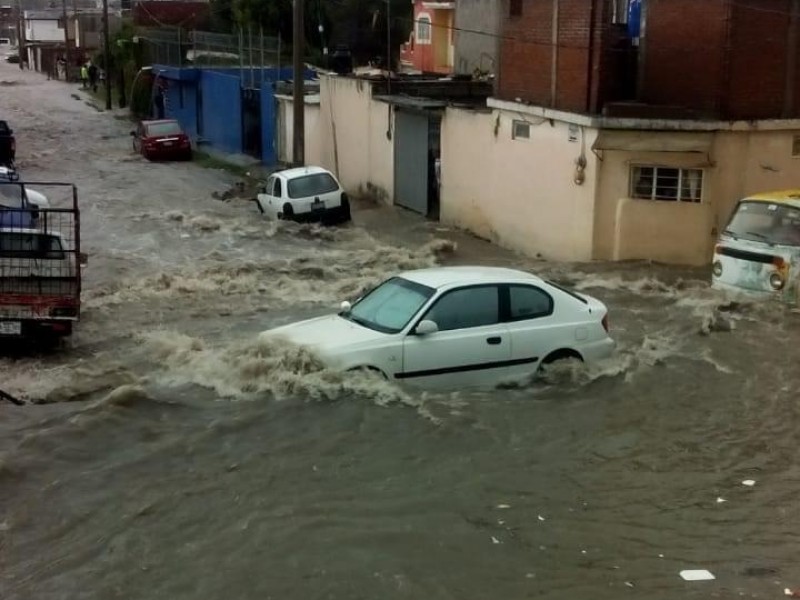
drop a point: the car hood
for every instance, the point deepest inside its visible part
(325, 334)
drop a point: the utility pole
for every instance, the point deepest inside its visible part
(298, 96)
(388, 47)
(23, 54)
(67, 51)
(107, 54)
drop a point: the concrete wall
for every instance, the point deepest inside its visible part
(477, 50)
(43, 31)
(285, 132)
(518, 193)
(740, 163)
(353, 137)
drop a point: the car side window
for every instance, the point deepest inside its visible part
(528, 302)
(466, 307)
(278, 193)
(268, 185)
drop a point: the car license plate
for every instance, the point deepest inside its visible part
(168, 143)
(317, 205)
(10, 328)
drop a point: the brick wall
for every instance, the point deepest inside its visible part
(758, 59)
(584, 55)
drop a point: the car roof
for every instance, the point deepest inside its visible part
(300, 171)
(440, 277)
(790, 197)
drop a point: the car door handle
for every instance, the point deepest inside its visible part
(494, 341)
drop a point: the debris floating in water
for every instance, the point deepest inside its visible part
(541, 518)
(721, 500)
(791, 593)
(749, 482)
(495, 540)
(697, 575)
(629, 584)
(503, 506)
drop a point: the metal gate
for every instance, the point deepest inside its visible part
(251, 122)
(411, 161)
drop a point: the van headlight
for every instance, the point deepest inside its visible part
(776, 281)
(716, 268)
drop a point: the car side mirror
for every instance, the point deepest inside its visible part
(345, 307)
(426, 327)
(133, 134)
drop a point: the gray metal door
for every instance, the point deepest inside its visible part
(411, 161)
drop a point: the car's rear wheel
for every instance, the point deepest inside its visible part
(344, 210)
(287, 212)
(563, 354)
(366, 369)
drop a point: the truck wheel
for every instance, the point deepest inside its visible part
(344, 211)
(288, 211)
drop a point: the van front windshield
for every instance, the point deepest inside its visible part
(766, 222)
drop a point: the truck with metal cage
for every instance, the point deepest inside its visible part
(40, 261)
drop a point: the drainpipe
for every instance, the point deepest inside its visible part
(554, 49)
(791, 62)
(590, 58)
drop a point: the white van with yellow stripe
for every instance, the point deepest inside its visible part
(758, 252)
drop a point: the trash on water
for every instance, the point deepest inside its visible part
(503, 506)
(749, 482)
(495, 540)
(697, 575)
(791, 593)
(721, 500)
(541, 518)
(185, 236)
(629, 584)
(660, 556)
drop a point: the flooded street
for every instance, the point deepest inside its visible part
(166, 453)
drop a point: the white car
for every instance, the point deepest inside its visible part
(304, 194)
(457, 327)
(16, 195)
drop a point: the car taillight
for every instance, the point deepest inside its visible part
(605, 322)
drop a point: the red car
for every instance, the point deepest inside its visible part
(162, 139)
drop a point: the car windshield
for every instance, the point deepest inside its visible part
(390, 306)
(312, 185)
(767, 222)
(163, 129)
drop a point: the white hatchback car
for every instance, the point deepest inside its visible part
(304, 194)
(458, 327)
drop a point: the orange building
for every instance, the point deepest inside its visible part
(430, 46)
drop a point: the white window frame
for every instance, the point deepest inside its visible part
(683, 172)
(424, 29)
(517, 127)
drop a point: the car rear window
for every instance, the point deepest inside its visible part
(30, 245)
(312, 185)
(163, 129)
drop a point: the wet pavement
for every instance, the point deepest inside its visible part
(166, 453)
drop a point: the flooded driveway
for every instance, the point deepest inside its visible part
(166, 453)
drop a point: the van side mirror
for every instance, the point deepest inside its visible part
(426, 327)
(345, 307)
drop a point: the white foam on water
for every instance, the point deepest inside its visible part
(262, 366)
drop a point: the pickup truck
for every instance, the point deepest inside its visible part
(8, 145)
(40, 265)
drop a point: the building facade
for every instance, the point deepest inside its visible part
(429, 48)
(476, 37)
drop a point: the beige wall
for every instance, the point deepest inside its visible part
(313, 138)
(518, 193)
(353, 141)
(739, 163)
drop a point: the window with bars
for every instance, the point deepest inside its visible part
(424, 29)
(666, 183)
(520, 130)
